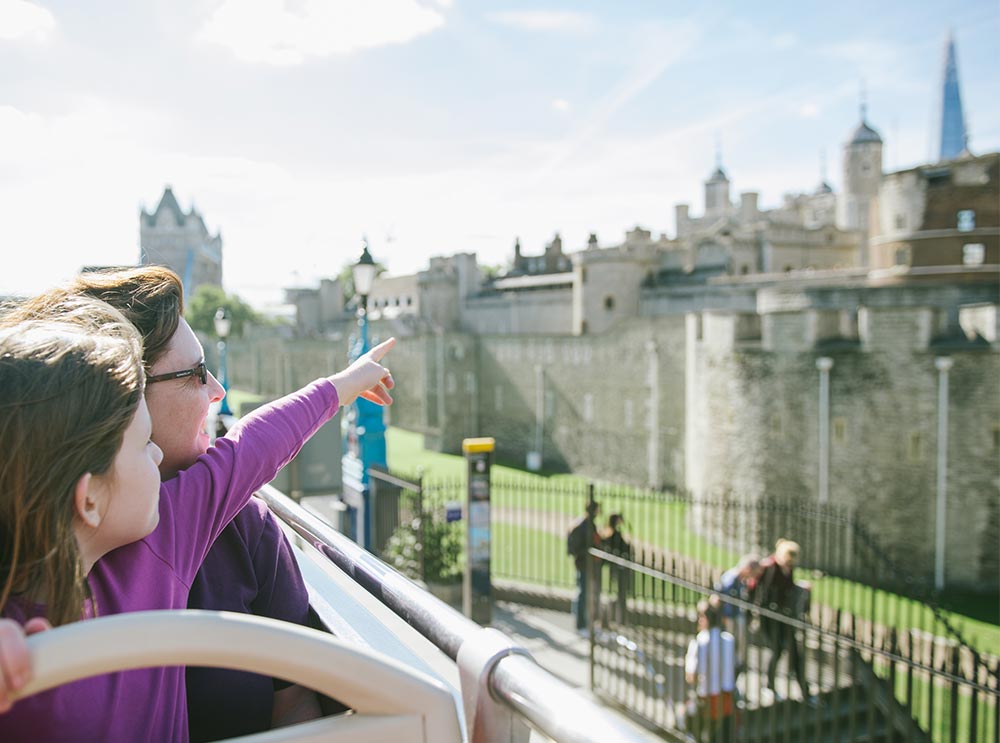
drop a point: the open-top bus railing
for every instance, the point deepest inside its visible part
(504, 690)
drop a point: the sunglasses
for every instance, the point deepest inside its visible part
(198, 370)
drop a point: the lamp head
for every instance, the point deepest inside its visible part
(223, 323)
(364, 272)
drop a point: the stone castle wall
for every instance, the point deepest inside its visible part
(721, 404)
(754, 431)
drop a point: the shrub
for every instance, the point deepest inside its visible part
(442, 549)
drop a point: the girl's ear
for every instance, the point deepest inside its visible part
(86, 499)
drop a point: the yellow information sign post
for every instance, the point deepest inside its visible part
(477, 598)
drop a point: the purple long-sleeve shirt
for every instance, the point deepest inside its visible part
(156, 573)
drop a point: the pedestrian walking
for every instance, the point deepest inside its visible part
(613, 541)
(710, 669)
(582, 536)
(775, 589)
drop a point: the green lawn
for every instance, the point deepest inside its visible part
(539, 554)
(943, 707)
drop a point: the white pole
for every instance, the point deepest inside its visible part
(943, 364)
(653, 446)
(824, 364)
(539, 416)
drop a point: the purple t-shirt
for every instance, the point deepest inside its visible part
(250, 569)
(156, 573)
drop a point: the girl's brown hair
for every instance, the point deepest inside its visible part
(68, 391)
(150, 297)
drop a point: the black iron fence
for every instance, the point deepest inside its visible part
(833, 681)
(693, 541)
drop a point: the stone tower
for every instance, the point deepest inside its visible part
(953, 134)
(717, 193)
(862, 176)
(180, 240)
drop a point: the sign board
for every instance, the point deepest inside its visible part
(477, 600)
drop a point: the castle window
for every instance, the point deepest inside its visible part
(839, 426)
(787, 268)
(609, 302)
(915, 447)
(470, 383)
(409, 301)
(966, 220)
(973, 254)
(744, 269)
(902, 257)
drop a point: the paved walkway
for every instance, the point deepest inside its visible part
(551, 637)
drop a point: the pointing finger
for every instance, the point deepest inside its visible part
(382, 349)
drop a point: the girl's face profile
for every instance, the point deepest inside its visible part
(131, 488)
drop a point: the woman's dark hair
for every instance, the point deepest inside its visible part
(150, 297)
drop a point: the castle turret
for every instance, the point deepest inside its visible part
(862, 176)
(717, 193)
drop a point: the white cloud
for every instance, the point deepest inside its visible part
(272, 32)
(20, 19)
(809, 111)
(561, 105)
(545, 20)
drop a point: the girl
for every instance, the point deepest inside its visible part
(251, 567)
(86, 531)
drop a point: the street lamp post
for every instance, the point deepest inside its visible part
(223, 324)
(363, 423)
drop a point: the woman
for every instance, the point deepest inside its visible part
(87, 529)
(251, 567)
(775, 589)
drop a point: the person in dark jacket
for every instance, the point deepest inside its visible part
(776, 591)
(582, 536)
(613, 541)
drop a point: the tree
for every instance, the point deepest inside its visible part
(207, 299)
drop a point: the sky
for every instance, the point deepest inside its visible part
(442, 126)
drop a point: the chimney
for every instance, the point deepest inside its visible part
(681, 217)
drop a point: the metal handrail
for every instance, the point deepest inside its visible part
(550, 705)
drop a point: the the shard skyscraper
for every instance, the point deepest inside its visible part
(953, 135)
